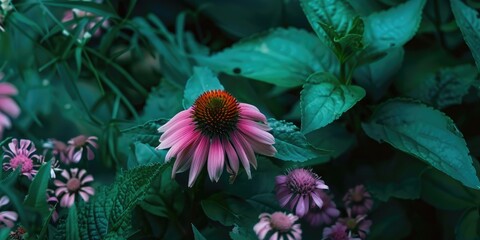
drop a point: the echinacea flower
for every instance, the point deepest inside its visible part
(298, 189)
(278, 225)
(337, 232)
(77, 145)
(75, 184)
(92, 27)
(219, 131)
(324, 215)
(21, 154)
(8, 107)
(358, 200)
(358, 226)
(7, 218)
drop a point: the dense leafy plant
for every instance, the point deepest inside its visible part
(335, 119)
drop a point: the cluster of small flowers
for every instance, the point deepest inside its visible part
(303, 192)
(23, 154)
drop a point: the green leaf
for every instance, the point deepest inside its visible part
(377, 76)
(390, 222)
(72, 224)
(145, 133)
(4, 233)
(164, 101)
(425, 133)
(227, 210)
(242, 233)
(202, 80)
(291, 144)
(393, 27)
(469, 23)
(98, 9)
(109, 211)
(196, 234)
(283, 57)
(337, 25)
(445, 87)
(144, 154)
(468, 228)
(37, 198)
(324, 99)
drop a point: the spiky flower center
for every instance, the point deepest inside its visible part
(351, 223)
(21, 159)
(357, 196)
(216, 113)
(280, 222)
(302, 181)
(73, 184)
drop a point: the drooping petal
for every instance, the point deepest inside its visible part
(216, 159)
(199, 159)
(10, 107)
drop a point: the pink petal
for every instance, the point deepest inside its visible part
(281, 179)
(90, 154)
(216, 159)
(84, 195)
(301, 209)
(11, 215)
(61, 190)
(238, 145)
(318, 201)
(64, 201)
(7, 89)
(88, 190)
(71, 199)
(4, 121)
(252, 130)
(199, 158)
(176, 137)
(232, 156)
(4, 201)
(248, 149)
(184, 158)
(10, 107)
(59, 183)
(251, 112)
(87, 179)
(179, 116)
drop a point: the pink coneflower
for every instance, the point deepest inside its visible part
(216, 125)
(72, 16)
(21, 154)
(7, 218)
(358, 200)
(358, 226)
(337, 232)
(77, 145)
(8, 107)
(298, 189)
(75, 183)
(323, 215)
(279, 226)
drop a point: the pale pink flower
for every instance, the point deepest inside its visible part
(21, 154)
(357, 226)
(71, 18)
(299, 190)
(358, 200)
(7, 218)
(59, 149)
(75, 184)
(8, 107)
(324, 215)
(337, 232)
(79, 144)
(278, 226)
(219, 131)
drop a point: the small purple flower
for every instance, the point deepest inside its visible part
(324, 215)
(279, 225)
(357, 226)
(21, 154)
(77, 145)
(337, 232)
(7, 218)
(358, 200)
(298, 189)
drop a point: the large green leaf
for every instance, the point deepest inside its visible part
(445, 87)
(145, 133)
(37, 198)
(227, 210)
(284, 57)
(202, 80)
(196, 234)
(109, 211)
(468, 228)
(425, 133)
(72, 232)
(469, 23)
(393, 27)
(164, 101)
(324, 99)
(291, 144)
(144, 154)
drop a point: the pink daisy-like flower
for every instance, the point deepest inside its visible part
(8, 107)
(71, 16)
(77, 145)
(337, 232)
(358, 200)
(358, 226)
(75, 184)
(299, 190)
(279, 226)
(7, 218)
(216, 130)
(323, 215)
(21, 154)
